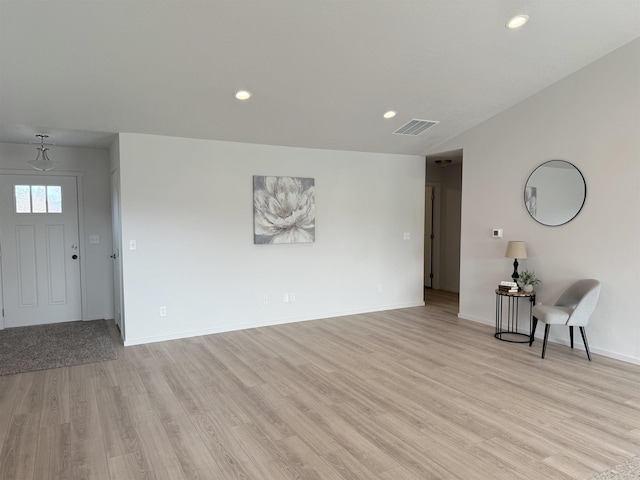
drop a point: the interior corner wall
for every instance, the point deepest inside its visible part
(591, 119)
(188, 204)
(114, 155)
(93, 166)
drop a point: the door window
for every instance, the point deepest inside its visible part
(38, 198)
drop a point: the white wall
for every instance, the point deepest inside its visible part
(189, 206)
(591, 119)
(93, 165)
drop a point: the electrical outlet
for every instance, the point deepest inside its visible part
(285, 298)
(379, 288)
(163, 311)
(266, 299)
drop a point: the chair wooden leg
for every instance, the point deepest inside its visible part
(586, 345)
(546, 337)
(533, 331)
(571, 335)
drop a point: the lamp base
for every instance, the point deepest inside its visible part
(515, 275)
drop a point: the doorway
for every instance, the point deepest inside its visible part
(444, 181)
(39, 236)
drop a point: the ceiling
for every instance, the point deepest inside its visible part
(322, 72)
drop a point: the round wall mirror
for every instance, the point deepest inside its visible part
(555, 193)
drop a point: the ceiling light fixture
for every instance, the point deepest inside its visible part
(443, 162)
(517, 21)
(42, 161)
(243, 94)
(390, 114)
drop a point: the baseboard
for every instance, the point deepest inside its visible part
(472, 318)
(233, 328)
(540, 336)
(577, 345)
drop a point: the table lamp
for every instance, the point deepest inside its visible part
(516, 249)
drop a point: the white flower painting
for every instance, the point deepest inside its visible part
(284, 210)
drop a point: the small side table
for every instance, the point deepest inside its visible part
(509, 332)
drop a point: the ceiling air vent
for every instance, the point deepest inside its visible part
(415, 127)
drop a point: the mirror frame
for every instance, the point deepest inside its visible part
(584, 197)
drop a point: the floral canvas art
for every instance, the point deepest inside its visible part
(284, 210)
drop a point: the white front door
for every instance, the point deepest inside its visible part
(40, 249)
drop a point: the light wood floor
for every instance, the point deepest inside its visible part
(399, 395)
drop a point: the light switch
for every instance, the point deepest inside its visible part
(132, 245)
(407, 236)
(94, 239)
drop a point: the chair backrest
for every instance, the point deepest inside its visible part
(582, 297)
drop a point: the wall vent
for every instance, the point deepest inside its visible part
(415, 127)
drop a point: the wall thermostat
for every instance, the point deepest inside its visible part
(497, 233)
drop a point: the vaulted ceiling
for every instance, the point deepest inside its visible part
(322, 72)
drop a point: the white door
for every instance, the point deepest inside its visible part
(117, 261)
(40, 249)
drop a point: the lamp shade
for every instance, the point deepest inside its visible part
(516, 249)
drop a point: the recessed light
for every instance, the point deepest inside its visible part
(517, 21)
(243, 94)
(389, 114)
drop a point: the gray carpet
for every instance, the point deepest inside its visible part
(629, 470)
(25, 349)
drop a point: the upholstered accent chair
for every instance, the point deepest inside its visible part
(573, 309)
